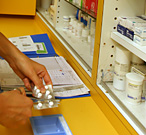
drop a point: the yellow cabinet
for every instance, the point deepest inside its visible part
(18, 7)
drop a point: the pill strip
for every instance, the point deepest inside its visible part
(46, 100)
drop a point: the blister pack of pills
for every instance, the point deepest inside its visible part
(46, 100)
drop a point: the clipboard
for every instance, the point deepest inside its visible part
(42, 38)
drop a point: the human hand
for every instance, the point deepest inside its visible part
(31, 72)
(28, 70)
(15, 108)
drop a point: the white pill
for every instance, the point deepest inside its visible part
(49, 96)
(49, 87)
(39, 105)
(35, 88)
(46, 87)
(39, 95)
(47, 92)
(37, 91)
(51, 103)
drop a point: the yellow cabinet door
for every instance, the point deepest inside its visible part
(18, 7)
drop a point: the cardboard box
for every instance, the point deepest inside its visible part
(139, 40)
(88, 4)
(94, 4)
(121, 29)
(140, 31)
(130, 34)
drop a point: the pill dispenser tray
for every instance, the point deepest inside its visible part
(50, 125)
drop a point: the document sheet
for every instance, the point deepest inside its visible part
(64, 78)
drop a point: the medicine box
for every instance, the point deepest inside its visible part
(122, 21)
(141, 69)
(50, 125)
(121, 29)
(140, 31)
(129, 33)
(94, 5)
(88, 4)
(131, 23)
(139, 40)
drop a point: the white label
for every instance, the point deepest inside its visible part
(121, 69)
(134, 92)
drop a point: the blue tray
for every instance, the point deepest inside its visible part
(50, 125)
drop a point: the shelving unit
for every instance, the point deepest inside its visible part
(76, 45)
(89, 12)
(135, 114)
(133, 47)
(109, 39)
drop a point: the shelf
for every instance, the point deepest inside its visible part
(137, 112)
(46, 15)
(133, 47)
(78, 47)
(89, 12)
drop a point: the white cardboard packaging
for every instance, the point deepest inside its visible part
(139, 40)
(133, 23)
(140, 31)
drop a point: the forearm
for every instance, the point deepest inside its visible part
(7, 50)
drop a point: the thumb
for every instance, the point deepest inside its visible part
(38, 82)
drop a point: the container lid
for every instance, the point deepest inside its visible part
(66, 18)
(50, 125)
(134, 77)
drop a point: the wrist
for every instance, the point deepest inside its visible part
(7, 49)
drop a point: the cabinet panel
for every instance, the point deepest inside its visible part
(18, 7)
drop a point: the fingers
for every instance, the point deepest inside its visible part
(27, 83)
(20, 90)
(38, 83)
(46, 77)
(16, 108)
(37, 80)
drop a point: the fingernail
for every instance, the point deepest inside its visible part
(43, 90)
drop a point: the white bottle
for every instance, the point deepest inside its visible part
(79, 28)
(65, 23)
(85, 34)
(92, 44)
(74, 26)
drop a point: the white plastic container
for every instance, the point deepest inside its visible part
(122, 66)
(79, 28)
(65, 23)
(119, 82)
(85, 34)
(123, 56)
(134, 88)
(74, 25)
(92, 38)
(135, 60)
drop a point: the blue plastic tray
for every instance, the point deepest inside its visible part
(50, 125)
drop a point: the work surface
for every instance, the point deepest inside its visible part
(82, 115)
